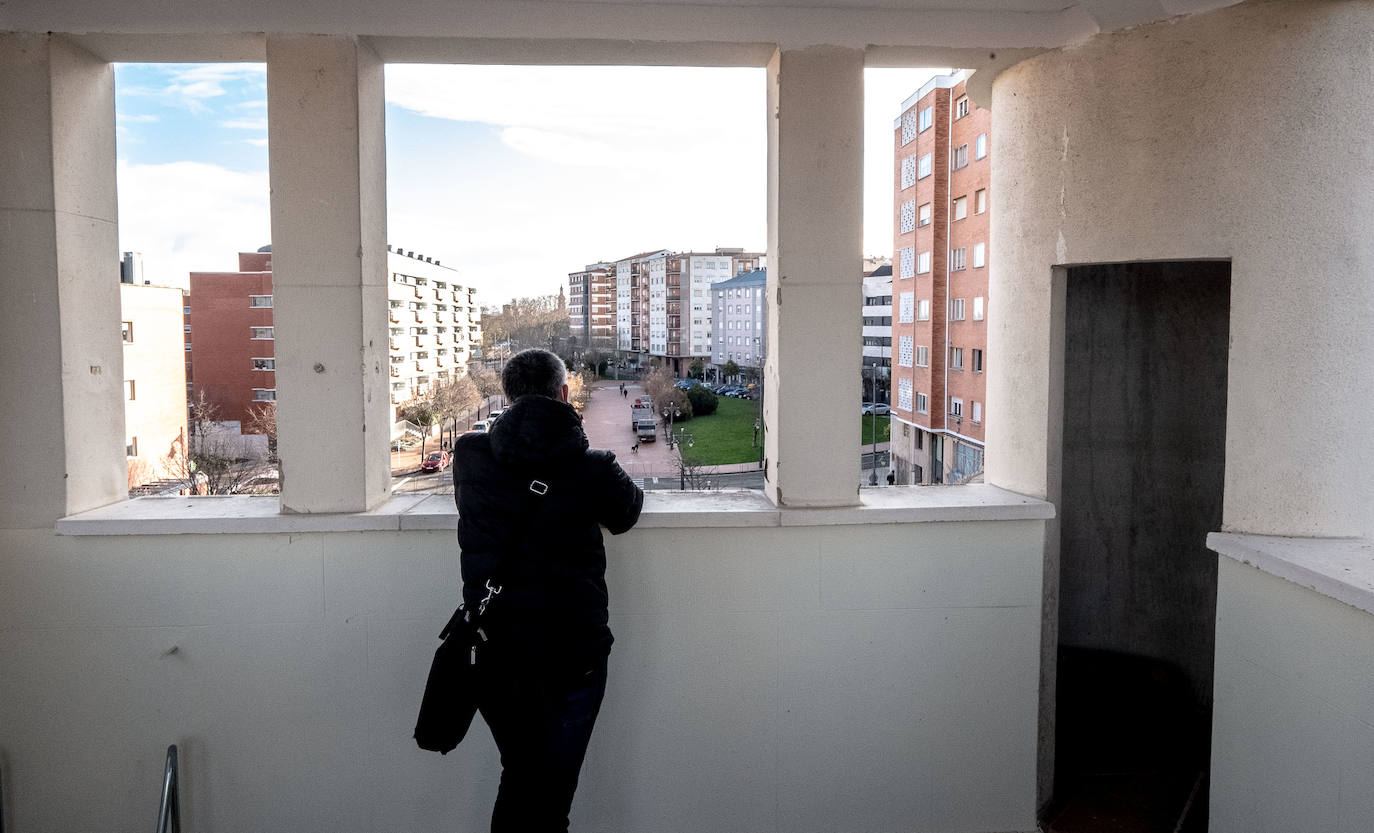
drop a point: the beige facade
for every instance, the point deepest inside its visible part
(151, 325)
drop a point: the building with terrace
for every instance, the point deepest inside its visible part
(1174, 493)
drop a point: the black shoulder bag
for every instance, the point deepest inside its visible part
(450, 699)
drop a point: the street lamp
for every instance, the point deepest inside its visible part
(669, 414)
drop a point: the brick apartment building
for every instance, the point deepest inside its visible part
(592, 306)
(434, 330)
(940, 286)
(663, 302)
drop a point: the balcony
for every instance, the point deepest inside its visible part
(812, 658)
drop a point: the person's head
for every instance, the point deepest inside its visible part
(535, 371)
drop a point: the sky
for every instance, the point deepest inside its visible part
(514, 176)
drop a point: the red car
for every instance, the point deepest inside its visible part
(436, 461)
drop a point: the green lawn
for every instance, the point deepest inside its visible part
(727, 436)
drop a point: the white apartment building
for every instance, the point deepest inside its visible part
(593, 306)
(435, 324)
(632, 300)
(741, 332)
(877, 334)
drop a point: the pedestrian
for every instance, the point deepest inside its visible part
(532, 498)
(624, 393)
(891, 478)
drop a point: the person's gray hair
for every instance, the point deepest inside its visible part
(533, 371)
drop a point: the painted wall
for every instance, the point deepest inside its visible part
(873, 677)
(1145, 145)
(155, 362)
(1294, 747)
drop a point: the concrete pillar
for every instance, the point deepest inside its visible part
(62, 404)
(815, 276)
(328, 167)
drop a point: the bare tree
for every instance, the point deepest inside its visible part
(535, 321)
(262, 419)
(423, 413)
(210, 460)
(455, 399)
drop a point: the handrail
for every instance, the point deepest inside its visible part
(169, 810)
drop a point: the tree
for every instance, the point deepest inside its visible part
(657, 383)
(211, 460)
(423, 413)
(455, 399)
(488, 382)
(704, 402)
(698, 369)
(731, 369)
(535, 321)
(262, 419)
(579, 390)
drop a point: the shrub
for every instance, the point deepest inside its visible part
(703, 401)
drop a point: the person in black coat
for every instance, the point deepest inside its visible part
(532, 499)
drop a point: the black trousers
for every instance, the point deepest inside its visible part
(541, 719)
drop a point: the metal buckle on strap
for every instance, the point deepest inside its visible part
(539, 487)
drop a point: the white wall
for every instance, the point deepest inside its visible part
(1239, 134)
(1294, 747)
(871, 677)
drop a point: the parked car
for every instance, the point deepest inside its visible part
(481, 425)
(495, 415)
(435, 461)
(876, 408)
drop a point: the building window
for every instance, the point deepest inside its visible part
(267, 363)
(908, 127)
(908, 172)
(956, 259)
(961, 107)
(906, 260)
(977, 411)
(927, 118)
(922, 263)
(923, 356)
(977, 362)
(923, 215)
(185, 310)
(908, 216)
(980, 149)
(979, 255)
(956, 406)
(924, 167)
(978, 308)
(905, 305)
(131, 447)
(922, 403)
(188, 348)
(129, 389)
(126, 331)
(904, 351)
(959, 157)
(186, 328)
(264, 394)
(956, 358)
(980, 201)
(956, 309)
(904, 394)
(261, 333)
(923, 310)
(264, 301)
(960, 208)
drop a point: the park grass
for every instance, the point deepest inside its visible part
(727, 436)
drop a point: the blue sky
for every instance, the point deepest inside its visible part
(515, 176)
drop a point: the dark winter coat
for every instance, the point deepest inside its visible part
(545, 551)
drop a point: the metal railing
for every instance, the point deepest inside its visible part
(169, 809)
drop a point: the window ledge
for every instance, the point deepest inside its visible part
(662, 510)
(1339, 568)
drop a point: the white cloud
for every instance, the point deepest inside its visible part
(130, 119)
(262, 143)
(245, 124)
(190, 216)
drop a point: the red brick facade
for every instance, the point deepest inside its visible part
(222, 340)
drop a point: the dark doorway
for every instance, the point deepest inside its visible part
(1145, 358)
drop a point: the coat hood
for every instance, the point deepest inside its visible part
(535, 430)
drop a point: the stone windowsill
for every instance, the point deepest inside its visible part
(245, 514)
(1340, 568)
